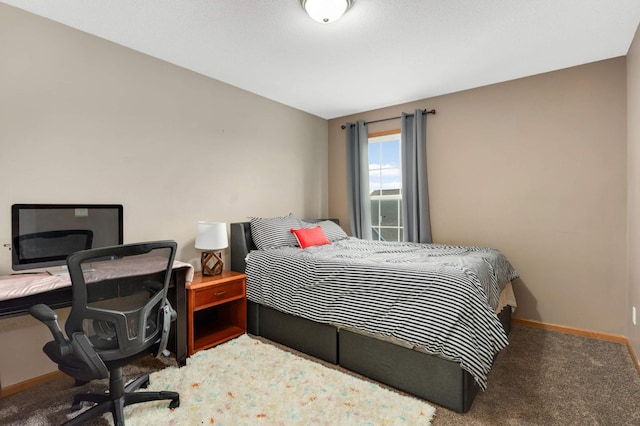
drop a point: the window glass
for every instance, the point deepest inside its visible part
(385, 184)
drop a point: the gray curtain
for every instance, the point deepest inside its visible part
(358, 180)
(415, 191)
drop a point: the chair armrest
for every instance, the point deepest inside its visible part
(168, 315)
(83, 349)
(43, 313)
(173, 313)
(48, 317)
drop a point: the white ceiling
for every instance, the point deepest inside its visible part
(380, 53)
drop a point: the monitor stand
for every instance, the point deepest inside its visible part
(63, 271)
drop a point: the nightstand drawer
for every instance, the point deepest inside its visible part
(218, 293)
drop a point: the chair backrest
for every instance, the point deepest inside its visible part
(119, 296)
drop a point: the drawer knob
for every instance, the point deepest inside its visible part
(221, 293)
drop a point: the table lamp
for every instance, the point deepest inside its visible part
(211, 236)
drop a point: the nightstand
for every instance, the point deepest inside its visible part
(217, 309)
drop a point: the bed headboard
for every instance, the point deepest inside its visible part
(242, 243)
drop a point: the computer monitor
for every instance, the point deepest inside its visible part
(43, 235)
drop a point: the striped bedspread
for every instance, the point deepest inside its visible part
(438, 298)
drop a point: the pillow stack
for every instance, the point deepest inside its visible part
(289, 231)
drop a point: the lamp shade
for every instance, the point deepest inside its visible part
(211, 236)
(326, 11)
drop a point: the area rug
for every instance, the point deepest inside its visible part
(248, 382)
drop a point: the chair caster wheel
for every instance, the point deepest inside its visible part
(174, 403)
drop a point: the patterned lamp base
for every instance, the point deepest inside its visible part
(208, 256)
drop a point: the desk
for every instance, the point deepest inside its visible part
(61, 298)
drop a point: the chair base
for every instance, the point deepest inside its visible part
(119, 396)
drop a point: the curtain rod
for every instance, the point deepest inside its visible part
(431, 111)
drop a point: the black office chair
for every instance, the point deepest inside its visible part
(119, 313)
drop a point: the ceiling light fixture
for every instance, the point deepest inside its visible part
(326, 11)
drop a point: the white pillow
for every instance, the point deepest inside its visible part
(274, 232)
(332, 230)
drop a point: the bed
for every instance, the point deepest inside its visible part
(430, 332)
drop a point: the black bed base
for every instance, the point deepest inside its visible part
(312, 338)
(426, 376)
(434, 379)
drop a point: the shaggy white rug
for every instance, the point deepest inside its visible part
(248, 382)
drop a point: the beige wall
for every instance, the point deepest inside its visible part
(87, 121)
(535, 167)
(633, 135)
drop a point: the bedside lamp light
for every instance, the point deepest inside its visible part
(211, 236)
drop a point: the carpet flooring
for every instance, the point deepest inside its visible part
(542, 378)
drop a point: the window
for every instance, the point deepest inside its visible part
(385, 185)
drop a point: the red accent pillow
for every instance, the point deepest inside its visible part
(308, 237)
